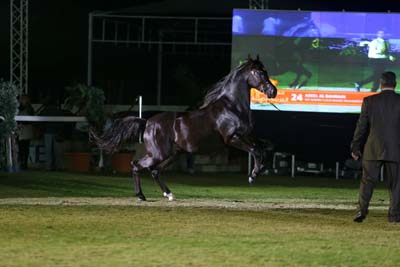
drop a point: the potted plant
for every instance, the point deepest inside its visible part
(121, 161)
(8, 110)
(88, 101)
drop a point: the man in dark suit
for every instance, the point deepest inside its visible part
(377, 133)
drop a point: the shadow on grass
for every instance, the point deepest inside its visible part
(57, 184)
(237, 179)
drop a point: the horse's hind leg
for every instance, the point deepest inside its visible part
(295, 83)
(300, 71)
(166, 192)
(155, 173)
(145, 162)
(308, 75)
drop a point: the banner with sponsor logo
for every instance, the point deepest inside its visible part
(309, 100)
(319, 61)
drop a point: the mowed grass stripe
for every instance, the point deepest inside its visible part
(218, 187)
(247, 204)
(149, 236)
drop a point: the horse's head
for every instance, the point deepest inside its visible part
(258, 78)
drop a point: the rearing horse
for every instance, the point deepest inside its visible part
(225, 112)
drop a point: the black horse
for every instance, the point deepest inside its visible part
(224, 113)
(300, 36)
(289, 56)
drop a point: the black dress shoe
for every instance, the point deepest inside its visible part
(359, 217)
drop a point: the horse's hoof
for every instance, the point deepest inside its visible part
(251, 180)
(170, 196)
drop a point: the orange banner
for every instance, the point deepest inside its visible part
(311, 97)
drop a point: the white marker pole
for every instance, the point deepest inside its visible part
(337, 170)
(9, 154)
(249, 164)
(293, 165)
(140, 116)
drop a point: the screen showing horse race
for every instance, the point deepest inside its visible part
(320, 61)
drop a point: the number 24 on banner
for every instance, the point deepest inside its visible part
(296, 97)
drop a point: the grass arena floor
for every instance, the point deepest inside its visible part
(67, 219)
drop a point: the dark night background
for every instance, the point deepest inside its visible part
(58, 58)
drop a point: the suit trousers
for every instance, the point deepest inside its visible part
(23, 153)
(370, 176)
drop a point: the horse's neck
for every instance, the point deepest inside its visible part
(238, 93)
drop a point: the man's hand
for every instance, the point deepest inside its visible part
(356, 155)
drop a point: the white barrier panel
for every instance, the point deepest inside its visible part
(26, 118)
(50, 118)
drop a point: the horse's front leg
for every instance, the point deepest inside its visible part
(245, 145)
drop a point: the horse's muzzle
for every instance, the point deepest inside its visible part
(271, 91)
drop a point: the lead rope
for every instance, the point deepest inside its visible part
(274, 106)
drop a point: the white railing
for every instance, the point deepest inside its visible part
(26, 118)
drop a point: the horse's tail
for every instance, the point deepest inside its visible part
(120, 131)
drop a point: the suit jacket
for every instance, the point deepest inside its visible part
(378, 127)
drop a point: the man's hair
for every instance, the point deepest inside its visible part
(388, 79)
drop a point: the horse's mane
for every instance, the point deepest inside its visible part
(218, 89)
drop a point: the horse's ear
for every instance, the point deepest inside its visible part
(249, 57)
(258, 57)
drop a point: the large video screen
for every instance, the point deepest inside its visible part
(320, 61)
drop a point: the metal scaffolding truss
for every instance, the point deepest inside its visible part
(258, 4)
(19, 44)
(130, 29)
(162, 33)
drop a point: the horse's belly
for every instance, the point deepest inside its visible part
(210, 144)
(195, 136)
